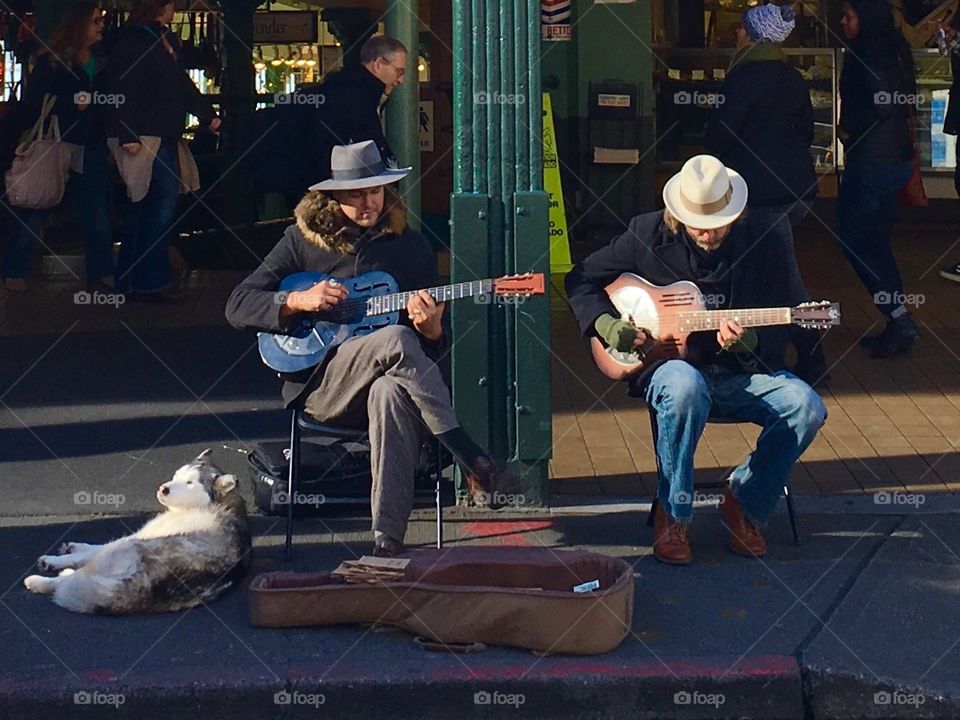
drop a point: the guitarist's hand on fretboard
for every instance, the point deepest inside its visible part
(426, 315)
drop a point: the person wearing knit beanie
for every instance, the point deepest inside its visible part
(769, 23)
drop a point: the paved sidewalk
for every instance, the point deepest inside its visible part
(820, 631)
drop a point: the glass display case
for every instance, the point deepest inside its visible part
(686, 84)
(937, 150)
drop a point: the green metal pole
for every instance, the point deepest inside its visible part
(403, 111)
(501, 355)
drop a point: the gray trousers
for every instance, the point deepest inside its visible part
(385, 382)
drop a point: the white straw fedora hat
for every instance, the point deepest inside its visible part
(359, 165)
(705, 195)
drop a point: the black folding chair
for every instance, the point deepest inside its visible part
(300, 422)
(791, 510)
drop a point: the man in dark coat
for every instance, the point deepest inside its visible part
(731, 374)
(763, 129)
(387, 381)
(291, 143)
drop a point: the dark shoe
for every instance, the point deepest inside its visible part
(745, 539)
(898, 336)
(489, 485)
(670, 543)
(951, 273)
(388, 547)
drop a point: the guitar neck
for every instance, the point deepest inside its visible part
(395, 302)
(698, 320)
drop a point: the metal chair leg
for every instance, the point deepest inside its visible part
(293, 482)
(439, 471)
(792, 512)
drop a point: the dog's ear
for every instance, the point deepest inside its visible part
(225, 484)
(203, 457)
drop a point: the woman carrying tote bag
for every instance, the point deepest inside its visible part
(145, 137)
(65, 92)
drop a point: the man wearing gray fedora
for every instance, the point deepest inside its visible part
(387, 381)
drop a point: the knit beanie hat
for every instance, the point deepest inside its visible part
(769, 23)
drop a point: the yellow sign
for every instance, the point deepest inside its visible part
(559, 238)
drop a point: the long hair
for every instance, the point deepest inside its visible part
(146, 11)
(880, 46)
(70, 36)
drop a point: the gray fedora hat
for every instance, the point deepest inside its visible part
(359, 165)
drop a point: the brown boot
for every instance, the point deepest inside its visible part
(489, 485)
(745, 539)
(670, 544)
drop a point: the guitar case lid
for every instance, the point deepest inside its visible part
(520, 597)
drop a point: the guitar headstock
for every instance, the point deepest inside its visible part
(519, 285)
(819, 315)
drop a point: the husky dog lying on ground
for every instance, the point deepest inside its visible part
(190, 554)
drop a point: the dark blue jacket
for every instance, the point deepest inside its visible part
(764, 129)
(82, 127)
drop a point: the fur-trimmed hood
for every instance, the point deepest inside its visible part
(322, 223)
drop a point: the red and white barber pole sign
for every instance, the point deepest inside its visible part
(555, 20)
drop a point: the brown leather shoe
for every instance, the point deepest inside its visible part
(745, 539)
(388, 547)
(670, 543)
(490, 485)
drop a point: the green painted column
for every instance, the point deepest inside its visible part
(501, 350)
(403, 110)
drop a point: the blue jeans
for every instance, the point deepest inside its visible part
(144, 265)
(684, 397)
(866, 206)
(88, 194)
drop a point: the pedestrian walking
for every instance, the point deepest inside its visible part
(146, 140)
(878, 90)
(763, 128)
(72, 70)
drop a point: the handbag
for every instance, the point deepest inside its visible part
(41, 164)
(913, 194)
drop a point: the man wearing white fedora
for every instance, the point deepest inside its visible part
(704, 236)
(387, 381)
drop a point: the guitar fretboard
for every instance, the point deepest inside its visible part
(395, 302)
(698, 320)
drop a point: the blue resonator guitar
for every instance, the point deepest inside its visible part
(373, 302)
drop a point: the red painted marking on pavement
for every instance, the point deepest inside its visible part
(559, 667)
(509, 532)
(99, 675)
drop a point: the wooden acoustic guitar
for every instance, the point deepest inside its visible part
(373, 302)
(668, 314)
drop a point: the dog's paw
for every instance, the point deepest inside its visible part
(47, 563)
(36, 583)
(67, 571)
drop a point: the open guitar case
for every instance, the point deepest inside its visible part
(469, 597)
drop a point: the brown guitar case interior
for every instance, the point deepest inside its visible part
(521, 597)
